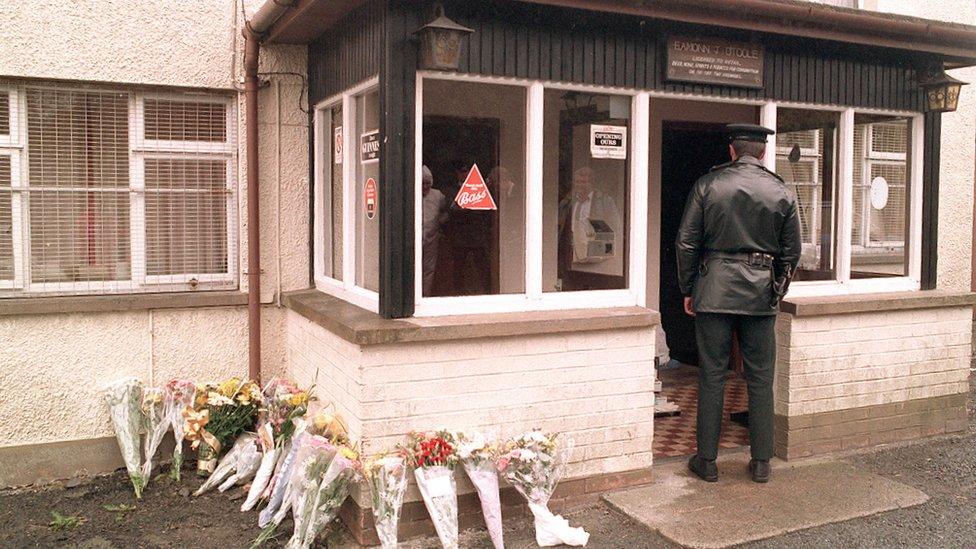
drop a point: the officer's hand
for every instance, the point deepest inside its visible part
(689, 307)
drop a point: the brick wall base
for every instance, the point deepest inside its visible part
(414, 520)
(811, 434)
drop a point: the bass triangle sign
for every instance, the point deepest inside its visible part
(474, 194)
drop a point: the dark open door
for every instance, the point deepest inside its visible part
(688, 151)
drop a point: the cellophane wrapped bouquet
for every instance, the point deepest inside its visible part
(157, 424)
(533, 464)
(242, 458)
(178, 395)
(434, 459)
(220, 413)
(386, 475)
(295, 484)
(284, 402)
(124, 399)
(477, 454)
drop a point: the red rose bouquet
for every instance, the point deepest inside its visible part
(434, 458)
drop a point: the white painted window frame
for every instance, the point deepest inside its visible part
(345, 289)
(844, 203)
(534, 299)
(16, 145)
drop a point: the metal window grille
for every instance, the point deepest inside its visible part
(111, 190)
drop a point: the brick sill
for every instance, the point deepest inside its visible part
(866, 303)
(121, 302)
(363, 327)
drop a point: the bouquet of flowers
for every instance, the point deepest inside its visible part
(124, 399)
(329, 493)
(219, 415)
(311, 453)
(157, 423)
(386, 475)
(477, 455)
(533, 464)
(434, 459)
(178, 395)
(244, 447)
(283, 403)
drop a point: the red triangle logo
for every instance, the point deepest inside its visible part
(474, 194)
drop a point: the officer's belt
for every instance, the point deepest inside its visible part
(755, 259)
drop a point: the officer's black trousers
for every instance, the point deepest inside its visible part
(757, 342)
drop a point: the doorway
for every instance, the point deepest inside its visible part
(689, 150)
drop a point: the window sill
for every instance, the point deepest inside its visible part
(363, 327)
(40, 305)
(876, 302)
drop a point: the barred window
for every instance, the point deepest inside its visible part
(106, 191)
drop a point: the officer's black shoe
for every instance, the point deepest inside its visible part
(704, 468)
(759, 469)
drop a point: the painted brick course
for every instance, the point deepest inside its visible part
(596, 387)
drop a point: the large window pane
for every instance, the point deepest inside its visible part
(881, 197)
(186, 216)
(328, 125)
(368, 180)
(805, 159)
(78, 150)
(473, 251)
(586, 189)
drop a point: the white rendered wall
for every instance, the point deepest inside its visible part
(53, 365)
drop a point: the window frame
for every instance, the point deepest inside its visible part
(534, 298)
(345, 289)
(844, 204)
(17, 146)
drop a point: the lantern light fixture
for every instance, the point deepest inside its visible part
(440, 42)
(941, 90)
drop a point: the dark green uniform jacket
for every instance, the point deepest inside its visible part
(736, 207)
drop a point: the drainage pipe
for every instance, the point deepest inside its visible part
(251, 84)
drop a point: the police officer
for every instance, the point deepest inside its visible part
(737, 247)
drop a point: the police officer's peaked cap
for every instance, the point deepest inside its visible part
(748, 132)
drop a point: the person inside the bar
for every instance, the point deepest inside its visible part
(585, 211)
(434, 215)
(737, 248)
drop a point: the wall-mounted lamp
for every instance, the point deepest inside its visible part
(440, 42)
(941, 90)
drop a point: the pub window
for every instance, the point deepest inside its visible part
(106, 190)
(329, 192)
(473, 189)
(585, 191)
(881, 210)
(366, 181)
(806, 160)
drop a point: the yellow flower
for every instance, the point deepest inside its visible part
(298, 399)
(348, 453)
(229, 387)
(322, 421)
(195, 422)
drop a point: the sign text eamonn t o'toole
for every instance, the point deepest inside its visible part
(715, 61)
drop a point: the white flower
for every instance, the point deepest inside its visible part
(527, 455)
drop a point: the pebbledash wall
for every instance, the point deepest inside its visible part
(56, 353)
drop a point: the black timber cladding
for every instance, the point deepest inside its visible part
(556, 44)
(346, 54)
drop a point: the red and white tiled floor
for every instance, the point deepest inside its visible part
(675, 436)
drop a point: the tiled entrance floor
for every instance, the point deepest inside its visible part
(675, 436)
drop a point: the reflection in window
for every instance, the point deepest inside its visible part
(367, 109)
(586, 188)
(880, 221)
(473, 240)
(330, 135)
(805, 153)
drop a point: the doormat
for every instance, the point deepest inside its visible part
(736, 510)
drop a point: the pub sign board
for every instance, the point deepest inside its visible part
(715, 61)
(369, 147)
